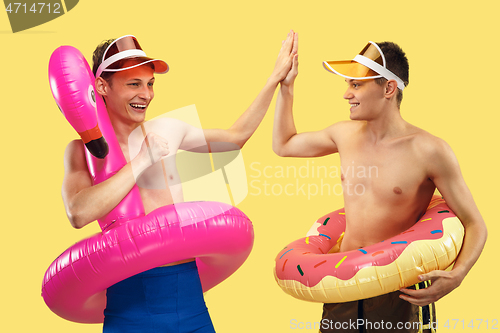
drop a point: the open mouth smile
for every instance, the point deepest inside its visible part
(138, 107)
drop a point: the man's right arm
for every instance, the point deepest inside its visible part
(286, 141)
(85, 202)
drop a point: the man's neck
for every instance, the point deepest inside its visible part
(387, 126)
(123, 129)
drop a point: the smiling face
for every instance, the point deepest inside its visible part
(366, 99)
(129, 93)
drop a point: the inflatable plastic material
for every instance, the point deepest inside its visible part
(77, 101)
(218, 235)
(306, 270)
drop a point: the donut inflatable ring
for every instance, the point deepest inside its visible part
(218, 235)
(305, 269)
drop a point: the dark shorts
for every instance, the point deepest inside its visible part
(161, 300)
(385, 313)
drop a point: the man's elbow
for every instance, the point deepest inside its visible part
(477, 228)
(237, 138)
(485, 232)
(76, 219)
(240, 142)
(278, 150)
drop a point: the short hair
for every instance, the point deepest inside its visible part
(397, 62)
(97, 59)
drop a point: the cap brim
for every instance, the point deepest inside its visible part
(160, 66)
(350, 69)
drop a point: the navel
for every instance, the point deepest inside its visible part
(342, 177)
(397, 190)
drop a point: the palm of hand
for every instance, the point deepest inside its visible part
(284, 63)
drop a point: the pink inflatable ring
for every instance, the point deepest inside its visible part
(308, 270)
(218, 235)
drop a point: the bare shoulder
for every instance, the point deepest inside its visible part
(343, 128)
(75, 147)
(74, 156)
(166, 123)
(435, 153)
(347, 125)
(429, 145)
(170, 128)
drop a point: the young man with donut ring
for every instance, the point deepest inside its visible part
(167, 298)
(411, 164)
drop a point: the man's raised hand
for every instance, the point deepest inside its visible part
(294, 71)
(286, 56)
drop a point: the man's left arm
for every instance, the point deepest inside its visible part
(445, 172)
(244, 127)
(233, 138)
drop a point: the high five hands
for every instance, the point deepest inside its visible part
(286, 67)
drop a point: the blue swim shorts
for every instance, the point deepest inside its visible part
(161, 300)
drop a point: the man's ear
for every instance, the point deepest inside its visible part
(391, 88)
(101, 86)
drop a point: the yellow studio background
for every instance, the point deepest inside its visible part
(221, 53)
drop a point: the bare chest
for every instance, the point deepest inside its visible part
(159, 185)
(392, 172)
